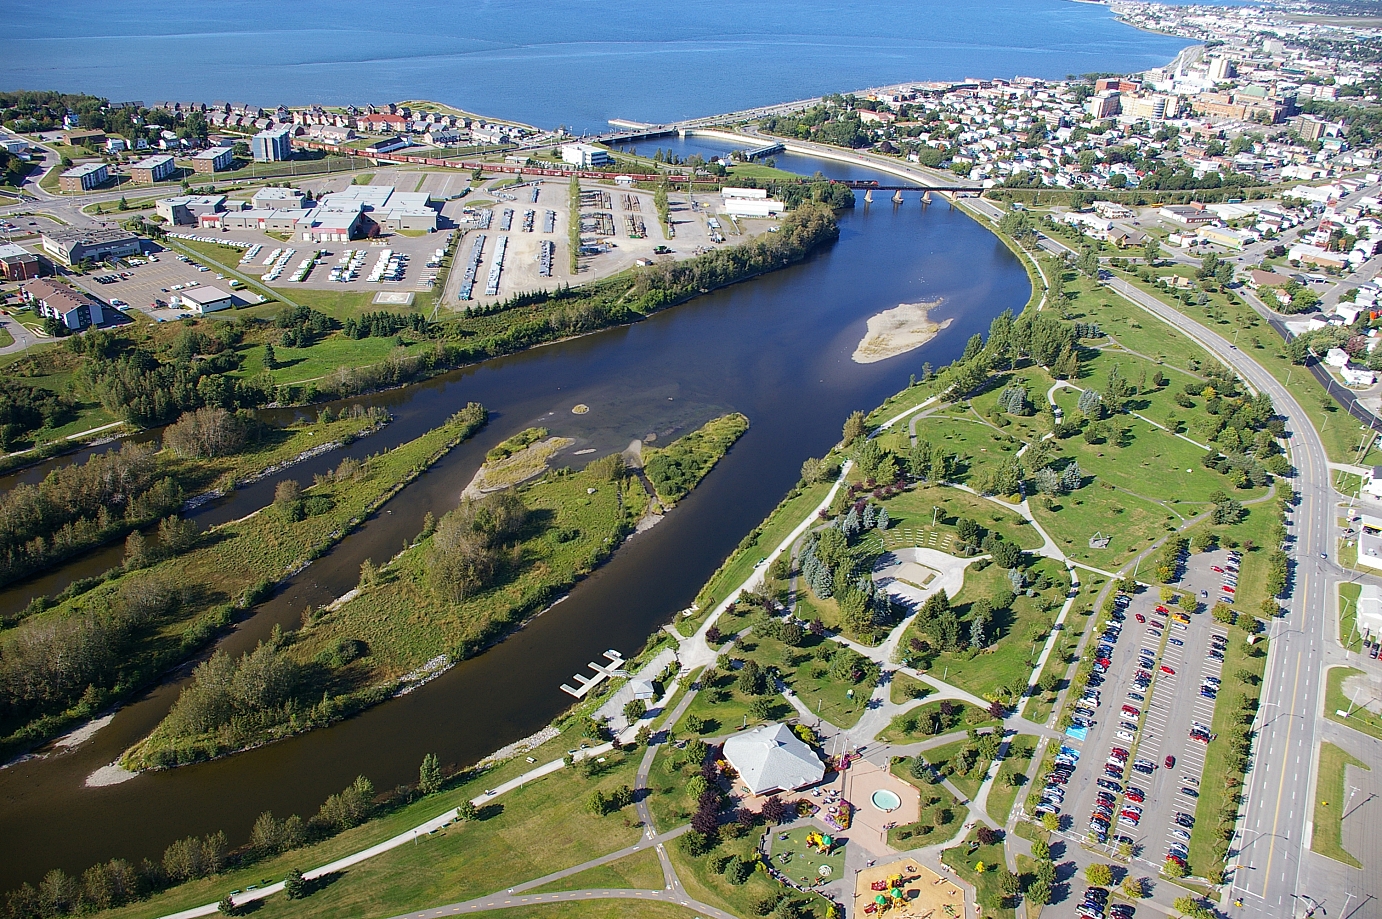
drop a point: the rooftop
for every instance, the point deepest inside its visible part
(772, 757)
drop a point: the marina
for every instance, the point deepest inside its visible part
(584, 684)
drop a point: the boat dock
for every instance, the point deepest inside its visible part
(602, 672)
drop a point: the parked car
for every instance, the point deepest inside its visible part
(1170, 761)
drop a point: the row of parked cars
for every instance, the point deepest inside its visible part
(1096, 899)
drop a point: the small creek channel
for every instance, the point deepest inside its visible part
(776, 348)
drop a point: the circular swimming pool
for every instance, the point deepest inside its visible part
(885, 800)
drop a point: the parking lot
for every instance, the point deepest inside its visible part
(1130, 771)
(142, 286)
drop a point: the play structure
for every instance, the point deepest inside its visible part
(821, 842)
(906, 890)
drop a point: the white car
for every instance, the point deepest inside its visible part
(1125, 735)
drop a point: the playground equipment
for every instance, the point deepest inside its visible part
(821, 842)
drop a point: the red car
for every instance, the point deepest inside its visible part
(1164, 610)
(1227, 589)
(1158, 625)
(1139, 617)
(1134, 796)
(1166, 670)
(1170, 762)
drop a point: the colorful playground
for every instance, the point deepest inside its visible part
(907, 890)
(806, 856)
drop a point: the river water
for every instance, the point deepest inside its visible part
(776, 348)
(551, 62)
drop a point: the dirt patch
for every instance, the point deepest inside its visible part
(526, 464)
(903, 328)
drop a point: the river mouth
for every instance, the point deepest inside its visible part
(777, 348)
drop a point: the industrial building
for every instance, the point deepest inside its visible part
(187, 210)
(385, 206)
(272, 146)
(18, 263)
(153, 169)
(72, 308)
(278, 199)
(84, 177)
(217, 159)
(750, 202)
(72, 246)
(585, 156)
(264, 219)
(203, 300)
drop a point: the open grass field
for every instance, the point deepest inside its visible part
(903, 689)
(1331, 797)
(1003, 668)
(1003, 795)
(1341, 434)
(397, 821)
(1335, 701)
(321, 359)
(966, 860)
(640, 871)
(1039, 706)
(978, 444)
(913, 511)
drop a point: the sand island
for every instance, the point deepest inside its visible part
(903, 328)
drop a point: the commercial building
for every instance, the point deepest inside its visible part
(151, 169)
(1370, 541)
(267, 220)
(1105, 104)
(217, 159)
(1223, 236)
(772, 758)
(187, 210)
(278, 199)
(84, 177)
(57, 301)
(272, 146)
(388, 208)
(203, 300)
(1369, 614)
(18, 263)
(1187, 215)
(71, 245)
(750, 202)
(89, 138)
(585, 156)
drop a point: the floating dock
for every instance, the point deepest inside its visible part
(602, 673)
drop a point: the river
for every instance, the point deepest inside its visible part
(776, 348)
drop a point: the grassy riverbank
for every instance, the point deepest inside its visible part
(407, 621)
(125, 634)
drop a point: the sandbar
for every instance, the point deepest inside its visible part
(527, 463)
(903, 328)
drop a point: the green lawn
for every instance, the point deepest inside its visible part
(300, 365)
(609, 831)
(1134, 523)
(941, 813)
(1039, 706)
(1349, 636)
(1341, 434)
(1207, 847)
(941, 758)
(701, 881)
(794, 858)
(640, 871)
(1335, 701)
(601, 909)
(1331, 797)
(1002, 795)
(911, 513)
(913, 726)
(1002, 669)
(904, 689)
(965, 859)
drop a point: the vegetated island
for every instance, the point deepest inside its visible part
(464, 583)
(95, 649)
(522, 457)
(903, 328)
(679, 467)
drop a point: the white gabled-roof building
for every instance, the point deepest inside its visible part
(772, 758)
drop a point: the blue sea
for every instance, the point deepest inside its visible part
(576, 63)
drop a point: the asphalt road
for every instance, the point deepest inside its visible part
(1272, 831)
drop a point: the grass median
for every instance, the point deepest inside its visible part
(1331, 799)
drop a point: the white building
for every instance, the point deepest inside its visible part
(203, 300)
(1369, 619)
(585, 156)
(1370, 541)
(772, 758)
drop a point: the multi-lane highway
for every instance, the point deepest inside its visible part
(1269, 847)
